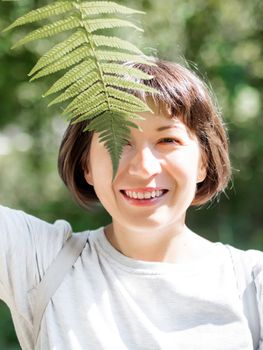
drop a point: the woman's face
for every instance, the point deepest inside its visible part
(157, 175)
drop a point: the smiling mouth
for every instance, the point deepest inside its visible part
(143, 195)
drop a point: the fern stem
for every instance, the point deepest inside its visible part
(100, 70)
(92, 46)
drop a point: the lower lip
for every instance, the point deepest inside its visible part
(143, 202)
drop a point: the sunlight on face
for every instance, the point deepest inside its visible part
(157, 175)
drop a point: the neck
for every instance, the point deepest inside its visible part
(162, 244)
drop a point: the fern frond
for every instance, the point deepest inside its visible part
(104, 55)
(96, 8)
(49, 30)
(81, 99)
(92, 25)
(115, 42)
(96, 81)
(59, 50)
(57, 8)
(87, 105)
(126, 97)
(92, 113)
(74, 74)
(125, 106)
(114, 133)
(122, 70)
(67, 61)
(127, 84)
(79, 86)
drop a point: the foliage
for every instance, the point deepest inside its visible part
(94, 74)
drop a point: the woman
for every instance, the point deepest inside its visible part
(146, 281)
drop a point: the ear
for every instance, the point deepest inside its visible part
(202, 172)
(88, 176)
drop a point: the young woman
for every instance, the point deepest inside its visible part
(146, 281)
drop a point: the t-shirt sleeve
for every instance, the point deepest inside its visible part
(254, 259)
(258, 278)
(27, 247)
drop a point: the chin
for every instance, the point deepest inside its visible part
(152, 222)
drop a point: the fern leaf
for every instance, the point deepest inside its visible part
(98, 124)
(120, 69)
(57, 8)
(96, 82)
(49, 30)
(111, 41)
(67, 61)
(86, 95)
(88, 105)
(77, 87)
(126, 97)
(59, 50)
(92, 25)
(127, 84)
(71, 77)
(105, 55)
(113, 132)
(125, 106)
(99, 7)
(92, 113)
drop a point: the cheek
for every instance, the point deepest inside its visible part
(183, 166)
(99, 172)
(100, 162)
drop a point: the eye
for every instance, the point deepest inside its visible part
(127, 143)
(169, 140)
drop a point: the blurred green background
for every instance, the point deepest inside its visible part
(222, 39)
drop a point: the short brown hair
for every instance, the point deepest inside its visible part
(185, 96)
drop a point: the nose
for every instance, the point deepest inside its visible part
(144, 164)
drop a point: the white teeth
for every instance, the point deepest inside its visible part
(144, 195)
(147, 195)
(140, 195)
(134, 195)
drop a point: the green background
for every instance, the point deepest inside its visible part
(222, 39)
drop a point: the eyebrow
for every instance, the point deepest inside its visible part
(165, 127)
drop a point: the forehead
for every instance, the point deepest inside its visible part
(161, 109)
(161, 122)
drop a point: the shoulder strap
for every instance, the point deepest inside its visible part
(55, 275)
(247, 291)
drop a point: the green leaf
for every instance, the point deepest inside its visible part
(60, 50)
(92, 113)
(49, 30)
(116, 104)
(81, 99)
(95, 8)
(115, 42)
(57, 8)
(92, 25)
(76, 88)
(127, 97)
(115, 134)
(71, 77)
(121, 69)
(87, 105)
(67, 61)
(95, 80)
(105, 55)
(127, 84)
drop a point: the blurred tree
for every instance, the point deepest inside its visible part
(222, 38)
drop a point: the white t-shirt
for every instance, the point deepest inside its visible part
(110, 301)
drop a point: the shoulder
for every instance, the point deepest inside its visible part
(252, 259)
(248, 266)
(27, 240)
